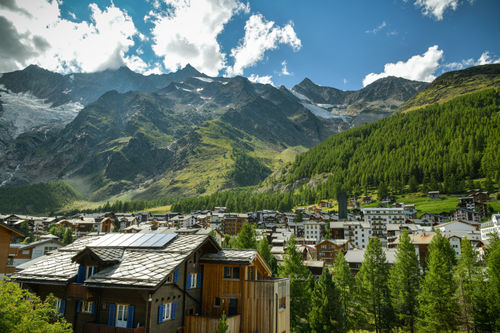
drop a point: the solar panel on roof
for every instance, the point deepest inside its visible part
(133, 240)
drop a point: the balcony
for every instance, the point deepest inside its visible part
(196, 324)
(77, 290)
(102, 328)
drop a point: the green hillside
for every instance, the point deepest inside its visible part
(454, 84)
(36, 198)
(441, 143)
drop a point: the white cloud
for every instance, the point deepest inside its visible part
(186, 32)
(73, 16)
(265, 79)
(345, 81)
(260, 35)
(437, 8)
(419, 67)
(284, 70)
(377, 29)
(65, 46)
(484, 59)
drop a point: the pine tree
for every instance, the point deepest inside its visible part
(344, 282)
(413, 184)
(300, 285)
(404, 281)
(325, 314)
(68, 236)
(493, 276)
(246, 237)
(372, 289)
(222, 326)
(382, 192)
(437, 301)
(467, 277)
(265, 252)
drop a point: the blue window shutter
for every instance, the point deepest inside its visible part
(78, 306)
(111, 315)
(198, 281)
(176, 275)
(62, 307)
(130, 317)
(93, 308)
(174, 310)
(161, 308)
(81, 274)
(188, 281)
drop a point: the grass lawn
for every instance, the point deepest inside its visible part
(159, 210)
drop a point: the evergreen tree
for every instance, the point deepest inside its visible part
(68, 236)
(404, 283)
(373, 292)
(344, 282)
(298, 216)
(493, 276)
(300, 285)
(438, 307)
(467, 273)
(327, 234)
(222, 326)
(382, 192)
(246, 237)
(325, 314)
(265, 252)
(413, 184)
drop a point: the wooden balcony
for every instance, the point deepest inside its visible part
(102, 328)
(195, 324)
(76, 290)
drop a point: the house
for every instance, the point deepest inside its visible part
(355, 258)
(328, 249)
(455, 226)
(80, 226)
(21, 253)
(467, 215)
(358, 233)
(478, 195)
(232, 223)
(492, 226)
(144, 282)
(367, 199)
(240, 284)
(434, 218)
(476, 201)
(455, 238)
(315, 267)
(394, 231)
(6, 262)
(314, 229)
(325, 204)
(433, 194)
(421, 241)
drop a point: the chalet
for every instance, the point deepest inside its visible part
(434, 218)
(6, 234)
(80, 226)
(21, 253)
(476, 201)
(145, 282)
(421, 240)
(315, 267)
(232, 223)
(433, 194)
(478, 195)
(355, 258)
(239, 283)
(455, 238)
(328, 249)
(325, 204)
(467, 215)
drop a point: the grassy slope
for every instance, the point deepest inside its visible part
(454, 84)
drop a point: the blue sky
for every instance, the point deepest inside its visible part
(344, 44)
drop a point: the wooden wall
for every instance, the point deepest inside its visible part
(196, 324)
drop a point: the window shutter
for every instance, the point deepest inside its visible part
(78, 306)
(93, 307)
(176, 275)
(198, 281)
(161, 308)
(81, 274)
(130, 317)
(188, 281)
(111, 315)
(174, 309)
(62, 307)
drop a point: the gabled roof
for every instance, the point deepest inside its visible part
(11, 230)
(235, 257)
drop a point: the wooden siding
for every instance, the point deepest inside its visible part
(196, 324)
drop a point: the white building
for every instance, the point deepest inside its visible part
(314, 229)
(455, 226)
(455, 238)
(378, 218)
(21, 253)
(492, 226)
(358, 233)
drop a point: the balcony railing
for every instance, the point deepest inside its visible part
(195, 324)
(103, 328)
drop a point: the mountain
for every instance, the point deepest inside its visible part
(375, 101)
(178, 134)
(453, 84)
(34, 98)
(448, 142)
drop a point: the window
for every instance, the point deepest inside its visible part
(231, 273)
(167, 311)
(10, 261)
(193, 279)
(121, 315)
(58, 304)
(87, 306)
(282, 303)
(26, 252)
(217, 302)
(47, 249)
(89, 271)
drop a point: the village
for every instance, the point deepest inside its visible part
(149, 272)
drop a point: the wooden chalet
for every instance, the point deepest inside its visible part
(6, 262)
(328, 249)
(153, 282)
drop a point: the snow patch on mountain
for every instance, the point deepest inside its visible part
(319, 112)
(300, 96)
(204, 79)
(24, 112)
